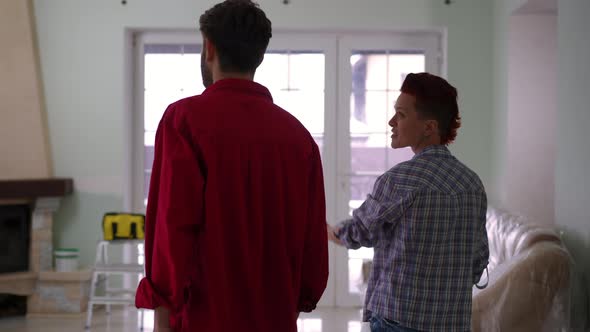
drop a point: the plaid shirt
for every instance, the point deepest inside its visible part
(426, 222)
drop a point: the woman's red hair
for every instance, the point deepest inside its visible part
(435, 99)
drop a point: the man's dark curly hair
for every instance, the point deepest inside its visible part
(435, 99)
(240, 31)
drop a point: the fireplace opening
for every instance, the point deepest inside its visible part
(15, 238)
(12, 305)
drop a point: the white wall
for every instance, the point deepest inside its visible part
(532, 102)
(516, 141)
(572, 181)
(571, 191)
(502, 11)
(83, 45)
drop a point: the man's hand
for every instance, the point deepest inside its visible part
(162, 329)
(161, 320)
(332, 234)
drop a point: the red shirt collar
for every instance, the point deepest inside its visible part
(238, 84)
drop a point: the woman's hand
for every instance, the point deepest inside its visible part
(332, 234)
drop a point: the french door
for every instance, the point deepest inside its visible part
(342, 87)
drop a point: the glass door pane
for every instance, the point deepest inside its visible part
(171, 72)
(296, 81)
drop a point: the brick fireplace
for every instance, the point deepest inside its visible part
(26, 213)
(27, 185)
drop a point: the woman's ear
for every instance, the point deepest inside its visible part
(431, 128)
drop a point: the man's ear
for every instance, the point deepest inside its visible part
(209, 49)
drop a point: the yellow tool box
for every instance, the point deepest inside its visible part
(119, 226)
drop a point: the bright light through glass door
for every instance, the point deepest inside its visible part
(171, 72)
(376, 80)
(296, 82)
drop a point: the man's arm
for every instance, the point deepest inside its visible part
(314, 271)
(384, 205)
(174, 211)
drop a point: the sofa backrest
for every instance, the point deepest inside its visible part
(509, 235)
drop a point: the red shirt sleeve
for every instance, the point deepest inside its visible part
(314, 272)
(173, 214)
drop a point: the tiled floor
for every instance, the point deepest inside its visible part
(127, 319)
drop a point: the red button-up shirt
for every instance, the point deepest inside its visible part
(235, 226)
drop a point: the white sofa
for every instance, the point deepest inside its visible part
(529, 277)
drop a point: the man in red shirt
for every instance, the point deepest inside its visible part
(235, 228)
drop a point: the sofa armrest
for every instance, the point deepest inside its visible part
(523, 291)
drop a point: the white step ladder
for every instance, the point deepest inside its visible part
(100, 273)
